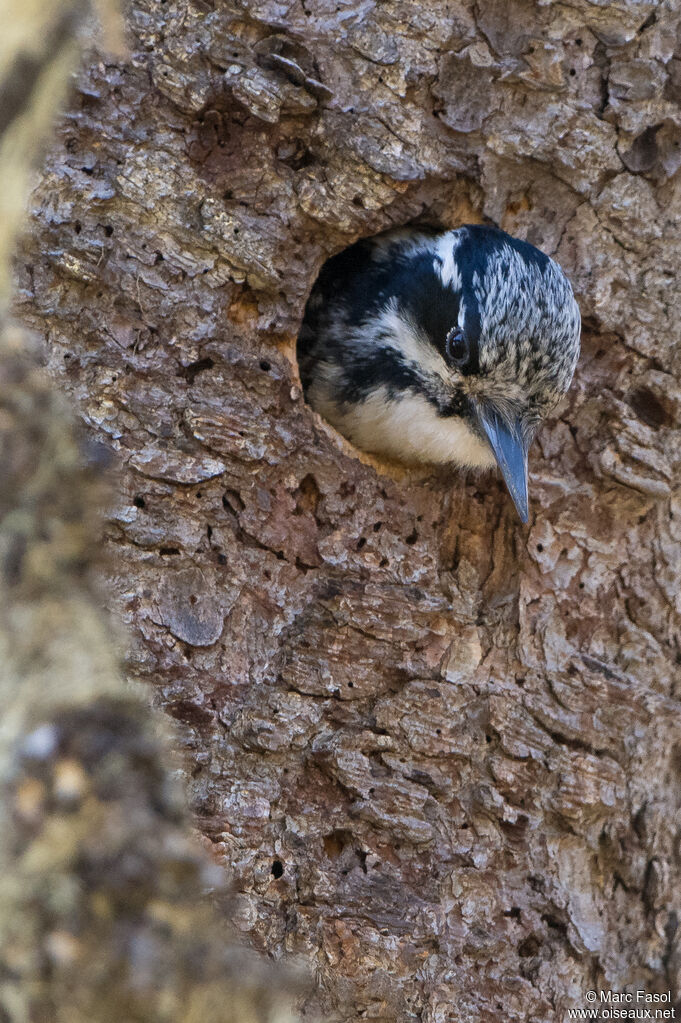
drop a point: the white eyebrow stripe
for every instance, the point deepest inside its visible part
(405, 338)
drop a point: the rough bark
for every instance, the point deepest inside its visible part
(438, 752)
(103, 915)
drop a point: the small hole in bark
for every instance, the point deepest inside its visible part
(307, 496)
(361, 543)
(412, 538)
(578, 42)
(572, 72)
(192, 599)
(231, 501)
(222, 560)
(528, 947)
(169, 550)
(335, 843)
(108, 230)
(383, 563)
(159, 258)
(295, 154)
(554, 923)
(540, 547)
(77, 227)
(265, 366)
(351, 685)
(358, 201)
(191, 371)
(488, 738)
(277, 869)
(513, 913)
(139, 502)
(649, 408)
(644, 151)
(377, 526)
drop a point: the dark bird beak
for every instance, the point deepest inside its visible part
(510, 451)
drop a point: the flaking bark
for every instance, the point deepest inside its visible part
(439, 753)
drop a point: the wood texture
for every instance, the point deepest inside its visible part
(104, 915)
(438, 752)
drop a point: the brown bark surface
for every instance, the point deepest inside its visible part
(103, 909)
(438, 752)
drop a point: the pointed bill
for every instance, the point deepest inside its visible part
(510, 451)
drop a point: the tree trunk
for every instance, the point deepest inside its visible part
(439, 752)
(103, 915)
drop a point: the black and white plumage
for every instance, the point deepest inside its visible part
(434, 348)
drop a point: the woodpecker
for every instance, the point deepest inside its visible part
(433, 347)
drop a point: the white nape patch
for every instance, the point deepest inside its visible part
(446, 266)
(406, 428)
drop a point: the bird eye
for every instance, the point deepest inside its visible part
(456, 347)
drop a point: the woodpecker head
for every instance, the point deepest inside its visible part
(438, 348)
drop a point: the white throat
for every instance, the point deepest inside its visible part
(405, 427)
